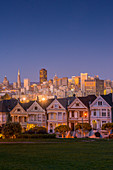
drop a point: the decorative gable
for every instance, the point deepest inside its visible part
(35, 107)
(77, 104)
(55, 105)
(99, 102)
(18, 109)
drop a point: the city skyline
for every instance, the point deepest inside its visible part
(65, 37)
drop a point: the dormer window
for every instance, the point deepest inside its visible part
(77, 104)
(99, 103)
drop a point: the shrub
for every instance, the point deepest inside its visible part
(97, 134)
(11, 129)
(35, 136)
(37, 130)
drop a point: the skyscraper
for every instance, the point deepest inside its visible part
(43, 75)
(18, 79)
(26, 83)
(83, 76)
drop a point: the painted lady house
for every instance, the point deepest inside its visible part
(101, 111)
(79, 110)
(57, 113)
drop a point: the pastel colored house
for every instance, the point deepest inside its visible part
(101, 111)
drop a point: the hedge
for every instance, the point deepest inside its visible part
(36, 136)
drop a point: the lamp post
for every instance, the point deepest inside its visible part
(82, 126)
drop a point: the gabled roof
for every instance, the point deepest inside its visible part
(7, 105)
(87, 100)
(108, 98)
(65, 102)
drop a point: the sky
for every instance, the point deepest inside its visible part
(66, 37)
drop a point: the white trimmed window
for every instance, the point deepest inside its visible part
(59, 115)
(39, 117)
(99, 103)
(94, 113)
(103, 112)
(51, 116)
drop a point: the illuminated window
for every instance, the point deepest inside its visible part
(81, 113)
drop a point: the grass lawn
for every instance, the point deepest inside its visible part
(79, 154)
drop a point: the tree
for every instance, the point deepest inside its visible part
(62, 129)
(11, 129)
(86, 128)
(37, 130)
(107, 126)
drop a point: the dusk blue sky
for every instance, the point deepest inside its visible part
(66, 37)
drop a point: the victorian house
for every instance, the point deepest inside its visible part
(79, 111)
(57, 113)
(101, 111)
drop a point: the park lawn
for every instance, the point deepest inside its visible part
(70, 155)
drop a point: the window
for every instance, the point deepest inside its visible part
(25, 119)
(34, 117)
(72, 113)
(77, 104)
(56, 105)
(3, 118)
(39, 117)
(43, 118)
(108, 113)
(94, 113)
(36, 108)
(59, 115)
(52, 116)
(31, 117)
(64, 116)
(99, 103)
(103, 112)
(81, 113)
(18, 110)
(103, 122)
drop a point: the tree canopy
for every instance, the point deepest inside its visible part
(86, 126)
(11, 129)
(107, 126)
(62, 128)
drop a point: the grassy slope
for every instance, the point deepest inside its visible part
(71, 155)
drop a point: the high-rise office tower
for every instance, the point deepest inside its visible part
(83, 76)
(26, 83)
(5, 81)
(18, 79)
(43, 75)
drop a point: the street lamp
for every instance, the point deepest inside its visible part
(85, 115)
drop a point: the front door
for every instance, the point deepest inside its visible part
(72, 127)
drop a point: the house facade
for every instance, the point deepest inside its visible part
(101, 111)
(57, 115)
(79, 111)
